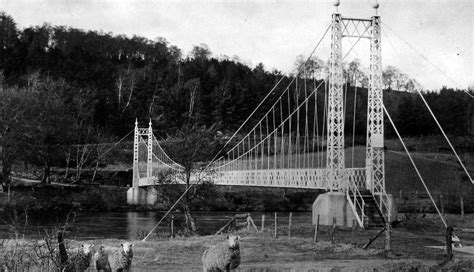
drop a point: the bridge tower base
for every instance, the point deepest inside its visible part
(142, 195)
(333, 205)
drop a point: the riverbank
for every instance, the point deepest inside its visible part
(261, 251)
(61, 199)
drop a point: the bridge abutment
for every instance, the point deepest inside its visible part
(333, 205)
(142, 196)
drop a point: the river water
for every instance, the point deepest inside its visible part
(129, 225)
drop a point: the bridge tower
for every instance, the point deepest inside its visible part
(340, 183)
(375, 164)
(134, 194)
(149, 162)
(137, 195)
(136, 176)
(355, 28)
(335, 119)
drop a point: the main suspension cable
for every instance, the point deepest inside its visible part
(265, 98)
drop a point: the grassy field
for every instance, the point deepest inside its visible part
(262, 252)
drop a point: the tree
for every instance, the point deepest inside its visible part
(309, 68)
(49, 127)
(201, 52)
(8, 31)
(192, 147)
(13, 106)
(356, 74)
(389, 76)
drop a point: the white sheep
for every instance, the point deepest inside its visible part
(121, 259)
(222, 257)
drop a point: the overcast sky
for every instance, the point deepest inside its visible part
(276, 32)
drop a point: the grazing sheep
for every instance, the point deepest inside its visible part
(222, 257)
(78, 262)
(121, 260)
(101, 260)
(81, 260)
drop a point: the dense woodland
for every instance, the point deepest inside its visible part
(63, 86)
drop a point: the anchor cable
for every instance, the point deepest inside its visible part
(428, 60)
(412, 161)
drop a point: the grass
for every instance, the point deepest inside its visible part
(262, 252)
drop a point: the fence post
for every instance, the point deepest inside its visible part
(172, 226)
(289, 224)
(248, 221)
(387, 236)
(441, 204)
(354, 226)
(462, 208)
(449, 243)
(316, 227)
(276, 225)
(333, 229)
(263, 223)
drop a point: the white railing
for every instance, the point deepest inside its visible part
(383, 204)
(290, 178)
(357, 203)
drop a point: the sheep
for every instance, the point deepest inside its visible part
(121, 260)
(222, 257)
(78, 262)
(81, 260)
(101, 260)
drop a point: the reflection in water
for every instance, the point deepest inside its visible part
(130, 225)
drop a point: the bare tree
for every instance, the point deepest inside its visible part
(192, 147)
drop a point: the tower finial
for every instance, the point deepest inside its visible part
(376, 6)
(336, 3)
(136, 121)
(149, 123)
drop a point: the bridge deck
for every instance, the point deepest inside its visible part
(284, 178)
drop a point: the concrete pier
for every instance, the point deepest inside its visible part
(142, 195)
(333, 205)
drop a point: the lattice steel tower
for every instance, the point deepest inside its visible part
(335, 142)
(355, 28)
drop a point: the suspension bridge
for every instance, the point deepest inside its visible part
(286, 147)
(296, 143)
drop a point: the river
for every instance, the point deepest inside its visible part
(129, 225)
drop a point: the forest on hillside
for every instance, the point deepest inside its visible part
(63, 86)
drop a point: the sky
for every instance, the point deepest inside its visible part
(275, 32)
